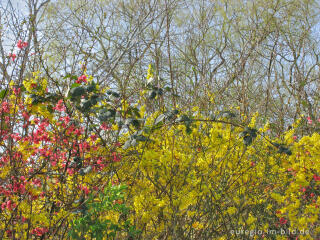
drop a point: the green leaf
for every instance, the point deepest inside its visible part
(227, 114)
(77, 91)
(152, 95)
(134, 143)
(133, 122)
(114, 94)
(3, 93)
(249, 134)
(247, 140)
(183, 118)
(159, 119)
(91, 87)
(86, 170)
(75, 85)
(107, 114)
(127, 144)
(85, 105)
(73, 77)
(134, 111)
(283, 149)
(50, 108)
(171, 115)
(160, 91)
(141, 138)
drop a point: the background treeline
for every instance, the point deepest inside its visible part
(260, 56)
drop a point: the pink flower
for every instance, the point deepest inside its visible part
(93, 137)
(309, 120)
(10, 205)
(104, 126)
(99, 162)
(283, 221)
(37, 182)
(39, 231)
(23, 219)
(82, 78)
(85, 189)
(16, 91)
(116, 157)
(26, 116)
(316, 177)
(60, 106)
(3, 206)
(294, 137)
(21, 44)
(12, 56)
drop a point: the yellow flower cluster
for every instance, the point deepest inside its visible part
(35, 85)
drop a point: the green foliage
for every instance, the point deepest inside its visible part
(93, 222)
(3, 93)
(249, 134)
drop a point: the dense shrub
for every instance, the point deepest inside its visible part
(188, 176)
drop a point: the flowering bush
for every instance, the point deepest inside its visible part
(188, 176)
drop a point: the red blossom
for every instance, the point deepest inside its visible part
(26, 116)
(316, 177)
(82, 78)
(3, 206)
(60, 106)
(33, 85)
(39, 231)
(23, 219)
(5, 107)
(12, 56)
(37, 182)
(9, 233)
(309, 120)
(85, 190)
(93, 137)
(283, 221)
(116, 157)
(104, 126)
(21, 44)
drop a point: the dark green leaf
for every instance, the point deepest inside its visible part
(247, 140)
(90, 88)
(77, 91)
(152, 95)
(105, 115)
(85, 105)
(283, 149)
(141, 138)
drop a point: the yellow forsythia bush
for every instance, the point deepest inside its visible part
(208, 184)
